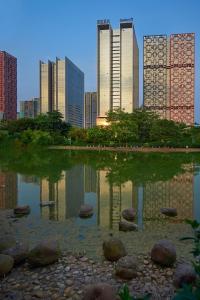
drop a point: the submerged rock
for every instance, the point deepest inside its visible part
(184, 274)
(113, 249)
(6, 264)
(127, 226)
(99, 291)
(19, 252)
(164, 253)
(128, 214)
(86, 211)
(45, 253)
(170, 212)
(22, 210)
(127, 267)
(7, 241)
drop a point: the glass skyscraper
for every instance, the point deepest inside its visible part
(62, 89)
(90, 109)
(117, 68)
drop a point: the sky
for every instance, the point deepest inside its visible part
(34, 30)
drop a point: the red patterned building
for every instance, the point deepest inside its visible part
(8, 86)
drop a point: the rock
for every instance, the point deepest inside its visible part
(113, 249)
(128, 214)
(86, 211)
(101, 291)
(6, 242)
(6, 264)
(164, 253)
(45, 253)
(184, 274)
(19, 252)
(170, 212)
(127, 267)
(22, 210)
(127, 226)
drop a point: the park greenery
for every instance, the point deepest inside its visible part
(140, 128)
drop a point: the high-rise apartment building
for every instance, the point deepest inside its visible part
(169, 76)
(90, 109)
(117, 67)
(62, 89)
(29, 108)
(8, 86)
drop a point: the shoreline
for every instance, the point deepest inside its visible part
(128, 149)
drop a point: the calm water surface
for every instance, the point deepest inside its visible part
(110, 182)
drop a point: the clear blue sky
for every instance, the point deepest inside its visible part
(43, 29)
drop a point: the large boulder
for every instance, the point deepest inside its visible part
(45, 253)
(6, 264)
(127, 226)
(19, 252)
(127, 267)
(128, 214)
(164, 253)
(86, 211)
(100, 291)
(22, 210)
(113, 249)
(6, 241)
(170, 212)
(184, 274)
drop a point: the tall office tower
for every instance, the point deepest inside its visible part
(8, 86)
(90, 109)
(8, 190)
(169, 76)
(29, 108)
(117, 68)
(62, 89)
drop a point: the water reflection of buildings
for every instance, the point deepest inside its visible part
(8, 190)
(67, 194)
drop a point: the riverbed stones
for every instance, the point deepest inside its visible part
(164, 253)
(45, 253)
(128, 214)
(127, 267)
(22, 210)
(100, 291)
(19, 252)
(6, 264)
(113, 249)
(169, 211)
(184, 274)
(86, 211)
(7, 241)
(127, 226)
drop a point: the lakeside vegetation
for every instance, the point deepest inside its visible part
(140, 128)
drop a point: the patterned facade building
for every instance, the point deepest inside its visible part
(90, 109)
(8, 86)
(62, 89)
(117, 67)
(169, 76)
(29, 108)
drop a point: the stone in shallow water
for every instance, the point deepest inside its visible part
(22, 210)
(99, 291)
(127, 226)
(86, 211)
(164, 253)
(6, 264)
(7, 241)
(184, 274)
(170, 212)
(113, 249)
(127, 267)
(45, 253)
(128, 214)
(19, 252)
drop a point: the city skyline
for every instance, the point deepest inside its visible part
(31, 45)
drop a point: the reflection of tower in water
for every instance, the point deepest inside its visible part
(112, 199)
(67, 195)
(8, 190)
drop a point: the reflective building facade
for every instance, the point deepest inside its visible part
(62, 89)
(117, 67)
(29, 108)
(169, 76)
(90, 109)
(8, 86)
